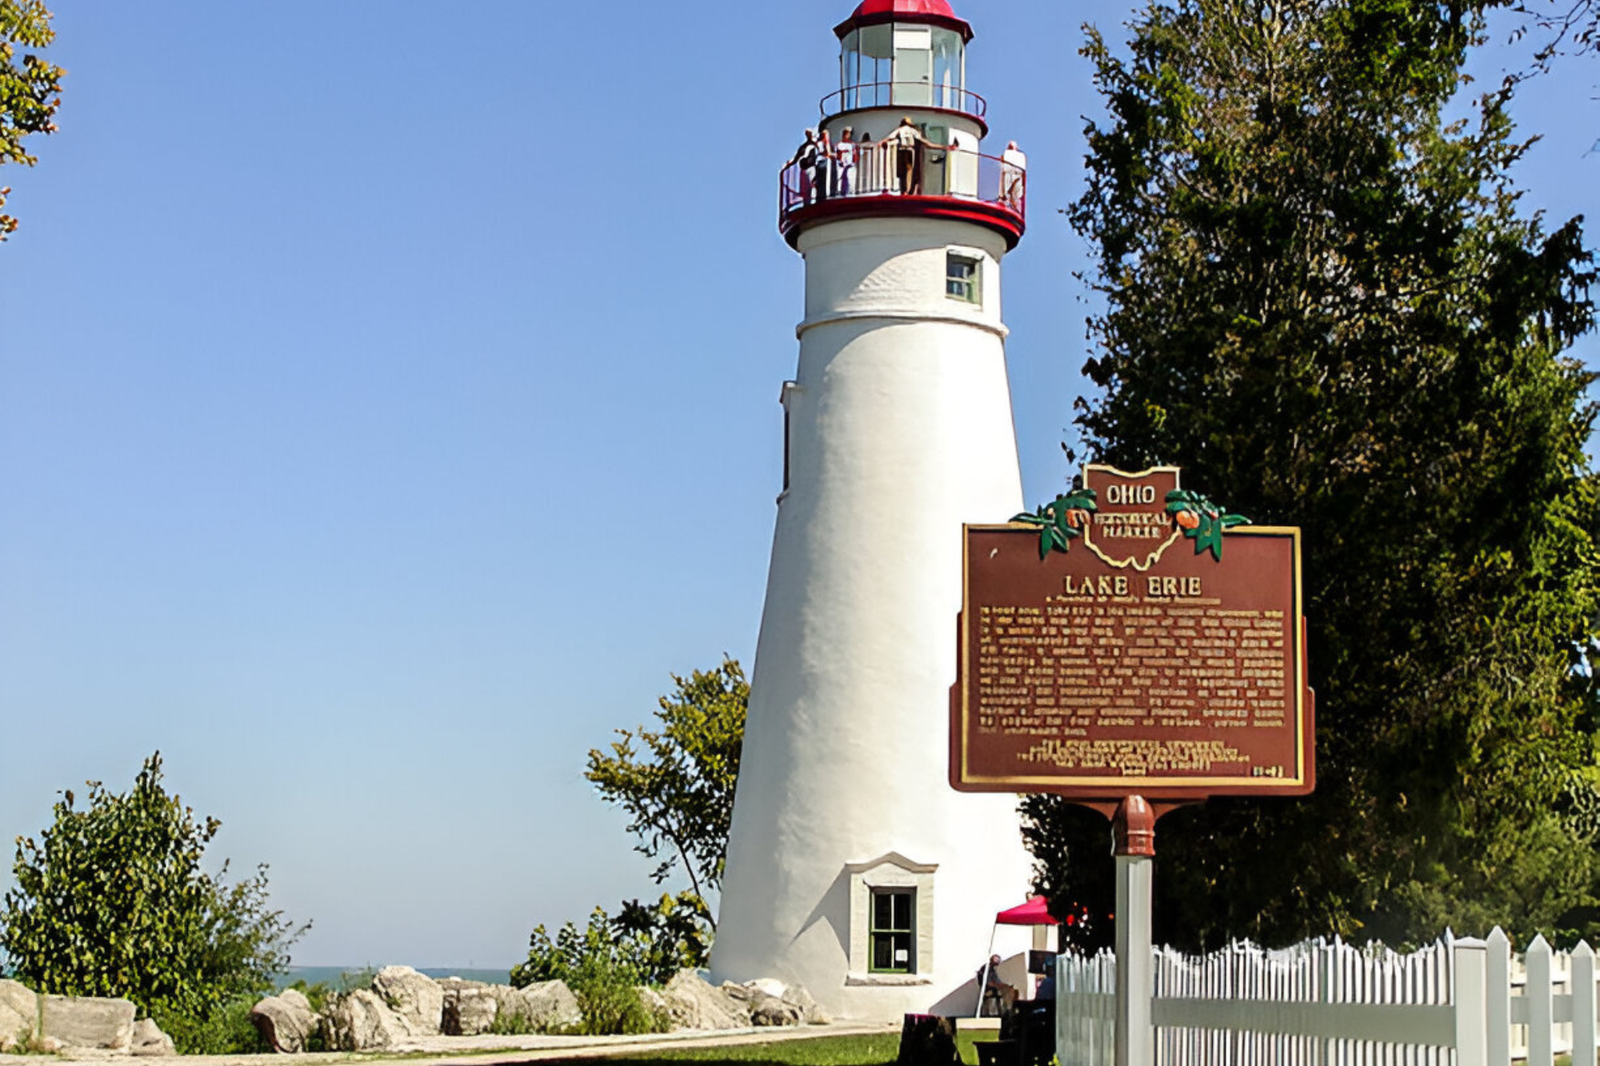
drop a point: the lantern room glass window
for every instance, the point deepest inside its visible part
(902, 64)
(949, 73)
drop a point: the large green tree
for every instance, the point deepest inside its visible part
(29, 87)
(1323, 300)
(112, 900)
(677, 786)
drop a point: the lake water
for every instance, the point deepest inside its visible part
(335, 977)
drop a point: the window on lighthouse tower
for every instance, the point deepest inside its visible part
(892, 940)
(962, 280)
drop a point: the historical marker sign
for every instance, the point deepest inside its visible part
(1132, 639)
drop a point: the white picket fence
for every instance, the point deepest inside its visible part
(1327, 1003)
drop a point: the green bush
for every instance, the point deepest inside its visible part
(316, 994)
(514, 1023)
(653, 943)
(602, 968)
(227, 1030)
(111, 900)
(611, 1004)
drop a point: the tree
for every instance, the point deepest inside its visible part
(111, 900)
(29, 92)
(678, 790)
(1322, 301)
(1565, 26)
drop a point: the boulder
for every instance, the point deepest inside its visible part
(508, 1000)
(768, 1010)
(19, 1014)
(415, 997)
(83, 1022)
(549, 1006)
(149, 1040)
(470, 1007)
(297, 999)
(693, 1004)
(795, 995)
(285, 1021)
(362, 1021)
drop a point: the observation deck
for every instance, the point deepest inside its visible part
(934, 182)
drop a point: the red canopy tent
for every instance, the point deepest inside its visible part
(1034, 912)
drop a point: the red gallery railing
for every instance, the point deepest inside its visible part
(940, 173)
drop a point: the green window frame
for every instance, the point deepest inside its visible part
(891, 933)
(963, 277)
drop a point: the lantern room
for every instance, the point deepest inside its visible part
(902, 136)
(904, 53)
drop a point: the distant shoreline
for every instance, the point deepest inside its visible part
(336, 976)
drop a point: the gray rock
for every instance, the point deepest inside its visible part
(82, 1022)
(285, 1021)
(297, 999)
(470, 1007)
(362, 1021)
(508, 1000)
(693, 1004)
(549, 1006)
(415, 997)
(19, 1014)
(795, 995)
(149, 1040)
(768, 1010)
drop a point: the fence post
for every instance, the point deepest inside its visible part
(1468, 997)
(1582, 988)
(1497, 1004)
(1540, 1009)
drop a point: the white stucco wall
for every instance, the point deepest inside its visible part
(900, 430)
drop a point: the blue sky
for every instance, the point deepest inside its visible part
(388, 405)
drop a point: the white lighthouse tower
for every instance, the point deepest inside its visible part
(853, 868)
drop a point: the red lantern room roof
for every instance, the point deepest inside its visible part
(937, 12)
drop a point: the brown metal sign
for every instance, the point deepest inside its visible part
(1132, 639)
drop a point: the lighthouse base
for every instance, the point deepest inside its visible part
(887, 935)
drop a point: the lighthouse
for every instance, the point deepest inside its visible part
(853, 868)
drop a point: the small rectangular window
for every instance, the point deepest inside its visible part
(891, 934)
(961, 278)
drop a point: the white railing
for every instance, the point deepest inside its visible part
(1327, 1003)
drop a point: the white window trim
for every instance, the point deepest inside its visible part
(890, 870)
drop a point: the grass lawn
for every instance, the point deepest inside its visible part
(823, 1051)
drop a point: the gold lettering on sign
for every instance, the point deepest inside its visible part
(1168, 657)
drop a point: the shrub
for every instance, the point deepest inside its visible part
(111, 900)
(652, 942)
(512, 1023)
(227, 1030)
(603, 970)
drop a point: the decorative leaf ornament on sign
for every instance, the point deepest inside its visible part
(1061, 522)
(1201, 520)
(1131, 519)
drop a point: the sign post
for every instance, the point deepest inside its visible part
(1135, 832)
(1134, 648)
